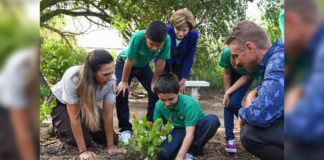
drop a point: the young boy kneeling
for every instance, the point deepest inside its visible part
(192, 128)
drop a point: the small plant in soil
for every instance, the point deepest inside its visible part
(147, 138)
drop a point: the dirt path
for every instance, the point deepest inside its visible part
(210, 102)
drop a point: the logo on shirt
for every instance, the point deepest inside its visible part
(180, 115)
(141, 53)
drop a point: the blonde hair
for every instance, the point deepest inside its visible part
(248, 31)
(182, 18)
(86, 87)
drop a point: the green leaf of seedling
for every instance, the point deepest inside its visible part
(158, 122)
(122, 149)
(168, 126)
(48, 110)
(162, 149)
(144, 119)
(131, 142)
(120, 144)
(150, 150)
(169, 138)
(159, 141)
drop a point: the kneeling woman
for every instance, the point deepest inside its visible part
(77, 118)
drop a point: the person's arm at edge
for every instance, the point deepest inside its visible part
(187, 141)
(23, 133)
(159, 67)
(123, 85)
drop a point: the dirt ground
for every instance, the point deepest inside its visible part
(210, 102)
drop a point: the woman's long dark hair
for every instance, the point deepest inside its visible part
(86, 87)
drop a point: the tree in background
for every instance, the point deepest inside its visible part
(214, 22)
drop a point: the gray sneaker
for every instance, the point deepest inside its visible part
(189, 157)
(125, 136)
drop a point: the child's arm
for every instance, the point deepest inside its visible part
(227, 84)
(244, 79)
(123, 84)
(159, 67)
(187, 141)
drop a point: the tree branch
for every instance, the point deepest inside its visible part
(58, 32)
(56, 12)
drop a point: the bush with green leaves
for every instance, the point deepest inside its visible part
(56, 58)
(147, 139)
(46, 107)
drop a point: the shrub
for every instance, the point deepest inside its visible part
(147, 139)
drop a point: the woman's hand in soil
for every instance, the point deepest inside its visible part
(122, 87)
(87, 154)
(114, 149)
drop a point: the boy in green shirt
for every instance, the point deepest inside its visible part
(236, 84)
(192, 128)
(143, 46)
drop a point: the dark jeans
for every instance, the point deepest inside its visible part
(265, 143)
(298, 151)
(205, 130)
(144, 76)
(234, 105)
(62, 128)
(174, 68)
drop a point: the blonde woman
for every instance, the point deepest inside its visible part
(77, 118)
(183, 45)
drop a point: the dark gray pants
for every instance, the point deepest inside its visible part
(62, 128)
(265, 143)
(297, 151)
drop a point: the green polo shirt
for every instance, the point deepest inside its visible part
(225, 62)
(186, 112)
(139, 51)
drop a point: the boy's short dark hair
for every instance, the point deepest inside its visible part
(167, 83)
(157, 31)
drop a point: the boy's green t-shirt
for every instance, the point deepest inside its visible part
(225, 62)
(186, 112)
(139, 51)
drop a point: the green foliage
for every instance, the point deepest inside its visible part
(44, 108)
(15, 31)
(56, 58)
(206, 65)
(147, 138)
(270, 19)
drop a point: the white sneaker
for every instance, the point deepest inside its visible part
(125, 136)
(189, 157)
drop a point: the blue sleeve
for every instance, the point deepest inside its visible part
(189, 57)
(268, 106)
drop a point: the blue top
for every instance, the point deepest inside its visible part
(183, 54)
(268, 106)
(305, 123)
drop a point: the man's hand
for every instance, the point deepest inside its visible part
(122, 86)
(182, 85)
(240, 123)
(113, 149)
(87, 154)
(226, 99)
(292, 98)
(250, 97)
